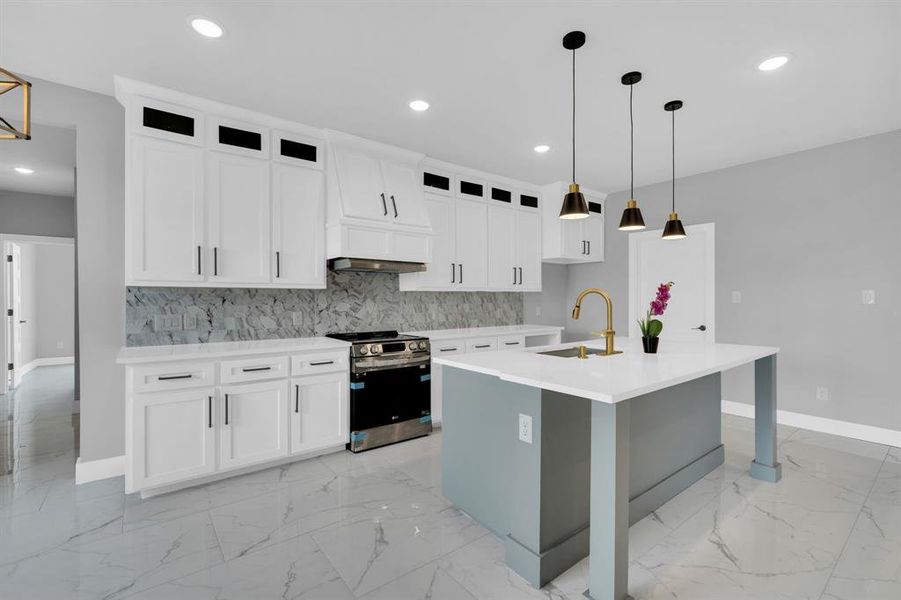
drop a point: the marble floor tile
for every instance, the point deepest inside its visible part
(872, 553)
(856, 589)
(429, 582)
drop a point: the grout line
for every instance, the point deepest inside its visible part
(841, 552)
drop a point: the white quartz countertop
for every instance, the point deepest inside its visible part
(473, 332)
(610, 379)
(147, 354)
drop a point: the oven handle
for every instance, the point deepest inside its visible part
(356, 367)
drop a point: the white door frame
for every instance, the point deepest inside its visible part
(635, 238)
(5, 238)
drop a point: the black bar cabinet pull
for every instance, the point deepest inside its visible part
(210, 412)
(215, 260)
(322, 362)
(483, 345)
(453, 272)
(255, 369)
(198, 261)
(511, 343)
(394, 204)
(589, 246)
(461, 272)
(514, 275)
(583, 246)
(384, 205)
(297, 398)
(171, 377)
(226, 409)
(278, 263)
(520, 275)
(446, 349)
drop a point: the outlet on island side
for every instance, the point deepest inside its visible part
(823, 394)
(525, 428)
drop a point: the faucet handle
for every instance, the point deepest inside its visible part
(604, 333)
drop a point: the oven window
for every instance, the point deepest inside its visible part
(385, 397)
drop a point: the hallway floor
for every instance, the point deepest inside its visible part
(375, 526)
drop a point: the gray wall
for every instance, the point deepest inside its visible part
(100, 145)
(55, 297)
(799, 236)
(351, 302)
(36, 214)
(551, 305)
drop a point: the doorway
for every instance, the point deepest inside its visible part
(690, 264)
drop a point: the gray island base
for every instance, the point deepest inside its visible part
(573, 481)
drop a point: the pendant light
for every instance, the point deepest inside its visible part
(673, 229)
(631, 219)
(574, 204)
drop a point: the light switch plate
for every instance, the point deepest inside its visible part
(190, 322)
(166, 322)
(525, 428)
(537, 311)
(868, 296)
(736, 297)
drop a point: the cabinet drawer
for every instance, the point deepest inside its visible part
(253, 369)
(172, 376)
(448, 348)
(511, 342)
(310, 364)
(481, 345)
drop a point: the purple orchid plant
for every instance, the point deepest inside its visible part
(650, 327)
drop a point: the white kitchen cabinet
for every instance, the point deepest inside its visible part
(254, 418)
(441, 273)
(471, 244)
(405, 197)
(360, 183)
(528, 251)
(572, 241)
(298, 226)
(503, 271)
(238, 218)
(165, 213)
(319, 412)
(173, 437)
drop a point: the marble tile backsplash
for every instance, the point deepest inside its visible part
(351, 302)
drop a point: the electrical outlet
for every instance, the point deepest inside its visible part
(166, 322)
(868, 296)
(823, 394)
(190, 322)
(537, 311)
(736, 297)
(525, 428)
(297, 319)
(59, 345)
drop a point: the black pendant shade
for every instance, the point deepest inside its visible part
(673, 230)
(631, 219)
(574, 204)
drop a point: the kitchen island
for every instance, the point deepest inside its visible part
(558, 455)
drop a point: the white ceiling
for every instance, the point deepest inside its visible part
(50, 153)
(496, 75)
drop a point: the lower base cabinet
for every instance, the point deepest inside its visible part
(174, 437)
(319, 412)
(254, 425)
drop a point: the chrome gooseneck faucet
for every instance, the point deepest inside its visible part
(608, 333)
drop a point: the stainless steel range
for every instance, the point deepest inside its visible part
(390, 388)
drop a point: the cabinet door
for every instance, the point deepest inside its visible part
(594, 233)
(528, 251)
(173, 437)
(502, 273)
(298, 226)
(165, 212)
(254, 423)
(574, 245)
(442, 272)
(405, 202)
(360, 183)
(319, 413)
(471, 244)
(239, 221)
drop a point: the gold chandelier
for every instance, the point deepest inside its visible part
(9, 83)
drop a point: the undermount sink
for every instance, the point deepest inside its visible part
(572, 352)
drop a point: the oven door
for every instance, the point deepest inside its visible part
(384, 393)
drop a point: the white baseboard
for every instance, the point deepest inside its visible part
(95, 470)
(56, 360)
(867, 433)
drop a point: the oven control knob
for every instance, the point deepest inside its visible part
(364, 350)
(374, 348)
(423, 345)
(412, 346)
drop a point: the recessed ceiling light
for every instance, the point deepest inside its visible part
(771, 64)
(24, 170)
(206, 28)
(541, 148)
(419, 105)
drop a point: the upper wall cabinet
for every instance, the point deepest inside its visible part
(219, 196)
(376, 207)
(572, 241)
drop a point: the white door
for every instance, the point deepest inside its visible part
(593, 231)
(254, 423)
(471, 244)
(239, 221)
(689, 264)
(298, 226)
(360, 182)
(441, 273)
(167, 205)
(174, 437)
(404, 190)
(502, 268)
(17, 320)
(528, 250)
(319, 413)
